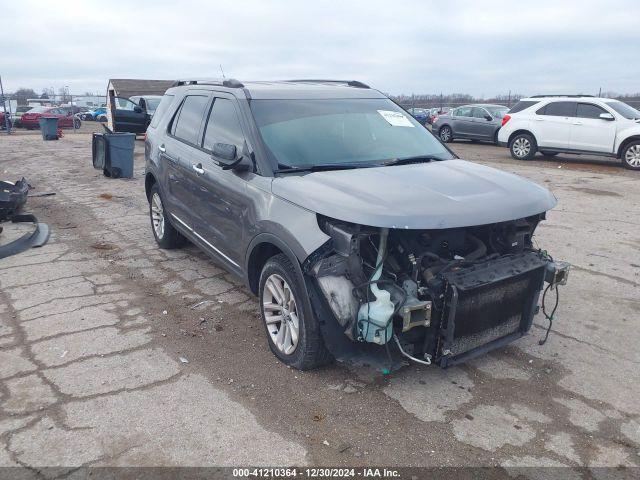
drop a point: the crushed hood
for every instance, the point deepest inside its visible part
(439, 194)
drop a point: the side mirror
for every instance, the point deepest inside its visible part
(488, 118)
(137, 109)
(607, 116)
(227, 157)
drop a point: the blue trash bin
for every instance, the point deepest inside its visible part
(49, 128)
(120, 148)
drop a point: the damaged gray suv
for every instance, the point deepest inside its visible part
(361, 233)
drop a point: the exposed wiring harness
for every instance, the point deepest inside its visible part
(551, 316)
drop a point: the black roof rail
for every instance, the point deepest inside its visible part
(560, 95)
(230, 82)
(349, 83)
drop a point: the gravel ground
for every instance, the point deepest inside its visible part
(109, 357)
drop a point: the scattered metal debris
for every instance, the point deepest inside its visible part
(41, 194)
(13, 196)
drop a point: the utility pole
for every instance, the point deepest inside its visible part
(509, 101)
(600, 92)
(73, 115)
(7, 120)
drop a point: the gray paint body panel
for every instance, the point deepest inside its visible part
(447, 194)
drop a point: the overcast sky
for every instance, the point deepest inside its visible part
(477, 47)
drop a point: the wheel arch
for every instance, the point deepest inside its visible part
(625, 143)
(149, 182)
(520, 131)
(260, 250)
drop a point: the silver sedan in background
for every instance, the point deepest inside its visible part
(473, 122)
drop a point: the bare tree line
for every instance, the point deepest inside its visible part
(457, 99)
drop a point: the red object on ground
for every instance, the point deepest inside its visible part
(31, 119)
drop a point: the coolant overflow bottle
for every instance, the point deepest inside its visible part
(374, 319)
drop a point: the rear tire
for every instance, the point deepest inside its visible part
(293, 332)
(446, 134)
(631, 156)
(166, 235)
(523, 146)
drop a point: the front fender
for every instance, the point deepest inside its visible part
(624, 134)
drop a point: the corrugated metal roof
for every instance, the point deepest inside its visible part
(127, 87)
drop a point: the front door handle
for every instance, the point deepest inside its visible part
(577, 123)
(198, 169)
(162, 148)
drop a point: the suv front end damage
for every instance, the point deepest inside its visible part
(440, 295)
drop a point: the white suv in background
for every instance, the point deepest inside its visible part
(572, 124)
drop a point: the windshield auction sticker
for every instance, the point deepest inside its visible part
(395, 118)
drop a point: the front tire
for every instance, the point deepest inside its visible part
(631, 156)
(166, 236)
(446, 134)
(293, 332)
(523, 146)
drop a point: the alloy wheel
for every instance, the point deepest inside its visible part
(157, 215)
(632, 156)
(281, 314)
(445, 134)
(521, 147)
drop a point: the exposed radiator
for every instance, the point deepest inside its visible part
(488, 305)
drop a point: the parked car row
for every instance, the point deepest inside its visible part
(546, 124)
(65, 115)
(29, 117)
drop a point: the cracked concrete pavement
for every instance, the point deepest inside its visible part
(108, 355)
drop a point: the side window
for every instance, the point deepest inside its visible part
(559, 109)
(521, 105)
(124, 104)
(464, 112)
(223, 125)
(187, 124)
(160, 111)
(479, 112)
(589, 110)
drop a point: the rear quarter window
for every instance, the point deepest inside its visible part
(522, 105)
(161, 110)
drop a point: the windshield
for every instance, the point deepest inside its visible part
(304, 133)
(38, 109)
(497, 112)
(627, 111)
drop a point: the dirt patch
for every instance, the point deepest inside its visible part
(104, 246)
(595, 191)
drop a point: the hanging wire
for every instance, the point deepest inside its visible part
(551, 316)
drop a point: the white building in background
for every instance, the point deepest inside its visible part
(89, 101)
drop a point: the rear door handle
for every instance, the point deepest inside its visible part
(162, 148)
(198, 169)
